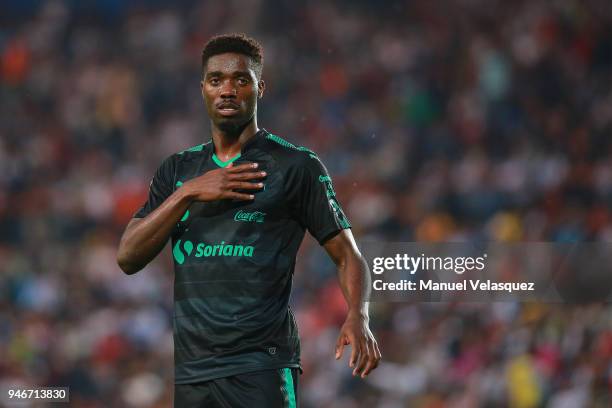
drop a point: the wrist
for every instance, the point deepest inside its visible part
(361, 314)
(185, 194)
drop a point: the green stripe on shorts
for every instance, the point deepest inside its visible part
(287, 387)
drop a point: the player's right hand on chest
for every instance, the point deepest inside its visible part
(225, 183)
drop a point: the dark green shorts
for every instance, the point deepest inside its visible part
(265, 389)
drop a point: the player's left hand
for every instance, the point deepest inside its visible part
(365, 353)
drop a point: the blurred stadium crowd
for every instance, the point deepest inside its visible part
(439, 121)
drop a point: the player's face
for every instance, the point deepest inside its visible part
(230, 90)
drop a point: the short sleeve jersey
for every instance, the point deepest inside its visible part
(234, 260)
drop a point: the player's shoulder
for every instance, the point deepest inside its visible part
(191, 153)
(287, 152)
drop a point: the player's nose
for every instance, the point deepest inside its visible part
(228, 90)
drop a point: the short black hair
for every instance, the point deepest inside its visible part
(238, 43)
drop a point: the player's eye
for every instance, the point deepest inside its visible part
(214, 81)
(243, 81)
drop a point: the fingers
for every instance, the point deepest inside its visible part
(246, 176)
(378, 354)
(237, 177)
(373, 359)
(232, 195)
(354, 353)
(365, 354)
(363, 358)
(340, 343)
(241, 167)
(244, 185)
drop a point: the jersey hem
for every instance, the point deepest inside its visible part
(241, 370)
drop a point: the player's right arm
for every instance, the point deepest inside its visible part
(143, 238)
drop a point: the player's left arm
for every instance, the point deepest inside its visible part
(354, 281)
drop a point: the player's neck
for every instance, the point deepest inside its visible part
(228, 142)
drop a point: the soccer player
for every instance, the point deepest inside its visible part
(236, 209)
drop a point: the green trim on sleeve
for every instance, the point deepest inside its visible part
(197, 148)
(279, 140)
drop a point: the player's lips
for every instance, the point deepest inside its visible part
(228, 108)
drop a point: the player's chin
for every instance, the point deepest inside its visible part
(231, 123)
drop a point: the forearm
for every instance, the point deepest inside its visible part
(355, 283)
(142, 241)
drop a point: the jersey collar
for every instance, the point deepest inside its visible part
(260, 134)
(252, 142)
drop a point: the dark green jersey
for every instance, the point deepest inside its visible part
(234, 260)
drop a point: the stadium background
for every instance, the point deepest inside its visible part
(455, 120)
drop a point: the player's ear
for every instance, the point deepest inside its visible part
(261, 86)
